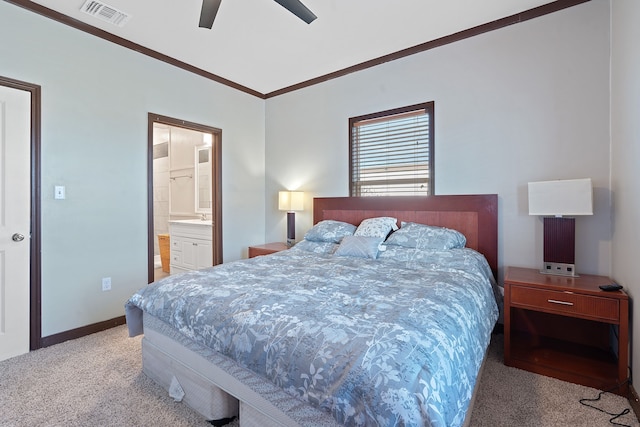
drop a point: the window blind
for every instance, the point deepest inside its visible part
(391, 155)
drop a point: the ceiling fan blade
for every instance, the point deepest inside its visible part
(208, 13)
(298, 9)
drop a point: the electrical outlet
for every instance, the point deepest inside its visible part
(106, 283)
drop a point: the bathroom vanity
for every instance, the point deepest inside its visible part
(191, 244)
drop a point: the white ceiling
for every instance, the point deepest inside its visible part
(260, 45)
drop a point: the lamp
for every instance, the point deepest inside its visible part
(291, 201)
(555, 200)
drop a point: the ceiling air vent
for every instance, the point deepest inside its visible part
(105, 12)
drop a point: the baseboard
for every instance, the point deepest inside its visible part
(81, 332)
(634, 401)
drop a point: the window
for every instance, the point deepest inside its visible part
(391, 152)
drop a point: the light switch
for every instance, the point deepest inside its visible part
(59, 192)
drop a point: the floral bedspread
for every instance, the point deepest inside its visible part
(390, 342)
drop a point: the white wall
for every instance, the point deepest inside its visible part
(524, 103)
(625, 159)
(95, 100)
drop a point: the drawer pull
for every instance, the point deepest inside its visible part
(555, 301)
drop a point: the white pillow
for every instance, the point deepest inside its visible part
(377, 227)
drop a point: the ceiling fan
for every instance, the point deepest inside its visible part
(210, 10)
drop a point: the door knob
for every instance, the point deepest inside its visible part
(17, 237)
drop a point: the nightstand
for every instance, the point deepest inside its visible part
(566, 328)
(266, 249)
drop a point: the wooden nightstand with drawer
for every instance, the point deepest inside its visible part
(566, 328)
(266, 249)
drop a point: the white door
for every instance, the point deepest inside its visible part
(15, 194)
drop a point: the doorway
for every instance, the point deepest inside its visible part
(20, 313)
(184, 184)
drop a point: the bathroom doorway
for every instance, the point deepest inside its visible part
(184, 187)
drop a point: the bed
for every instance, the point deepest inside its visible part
(358, 324)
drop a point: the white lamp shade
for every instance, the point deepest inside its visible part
(561, 197)
(291, 200)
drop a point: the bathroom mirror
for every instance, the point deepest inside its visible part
(202, 182)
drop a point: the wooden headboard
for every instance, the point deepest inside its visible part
(475, 216)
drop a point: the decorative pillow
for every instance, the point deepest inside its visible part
(330, 231)
(359, 246)
(376, 227)
(316, 247)
(420, 236)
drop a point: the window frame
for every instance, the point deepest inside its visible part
(428, 107)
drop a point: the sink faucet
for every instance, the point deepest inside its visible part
(204, 217)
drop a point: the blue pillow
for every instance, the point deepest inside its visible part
(421, 236)
(359, 246)
(330, 231)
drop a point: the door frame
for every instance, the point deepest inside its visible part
(216, 188)
(35, 260)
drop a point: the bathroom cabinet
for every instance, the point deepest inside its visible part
(191, 245)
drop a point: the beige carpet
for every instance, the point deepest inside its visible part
(97, 381)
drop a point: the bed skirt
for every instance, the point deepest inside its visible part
(217, 388)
